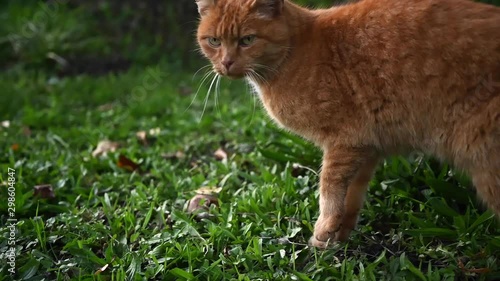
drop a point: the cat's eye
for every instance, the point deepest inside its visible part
(246, 41)
(214, 42)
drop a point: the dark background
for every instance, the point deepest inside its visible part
(100, 36)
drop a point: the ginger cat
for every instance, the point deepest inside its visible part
(367, 80)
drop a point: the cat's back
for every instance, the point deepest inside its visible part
(419, 61)
(415, 41)
(428, 24)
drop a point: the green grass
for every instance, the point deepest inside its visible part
(421, 220)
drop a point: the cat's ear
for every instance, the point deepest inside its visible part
(269, 8)
(204, 6)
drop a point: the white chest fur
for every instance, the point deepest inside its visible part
(287, 113)
(258, 90)
(255, 87)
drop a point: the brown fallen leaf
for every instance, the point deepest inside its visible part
(201, 202)
(105, 146)
(482, 270)
(44, 191)
(127, 164)
(472, 270)
(220, 154)
(208, 190)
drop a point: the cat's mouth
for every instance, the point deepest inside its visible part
(235, 75)
(232, 74)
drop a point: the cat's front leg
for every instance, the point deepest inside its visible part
(340, 166)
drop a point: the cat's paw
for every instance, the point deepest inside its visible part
(325, 229)
(320, 244)
(342, 235)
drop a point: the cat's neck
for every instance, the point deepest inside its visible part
(301, 23)
(298, 17)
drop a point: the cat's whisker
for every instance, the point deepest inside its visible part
(205, 77)
(201, 68)
(266, 67)
(263, 69)
(217, 93)
(198, 50)
(259, 77)
(254, 98)
(251, 75)
(255, 78)
(208, 95)
(249, 89)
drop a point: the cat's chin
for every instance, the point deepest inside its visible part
(234, 76)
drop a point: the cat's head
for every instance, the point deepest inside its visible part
(241, 37)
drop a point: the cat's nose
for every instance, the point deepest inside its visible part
(227, 63)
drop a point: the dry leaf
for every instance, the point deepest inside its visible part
(220, 154)
(146, 138)
(208, 190)
(472, 270)
(174, 156)
(201, 202)
(103, 147)
(44, 191)
(102, 269)
(143, 137)
(5, 124)
(482, 270)
(127, 164)
(15, 147)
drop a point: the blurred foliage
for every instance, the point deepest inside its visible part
(96, 36)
